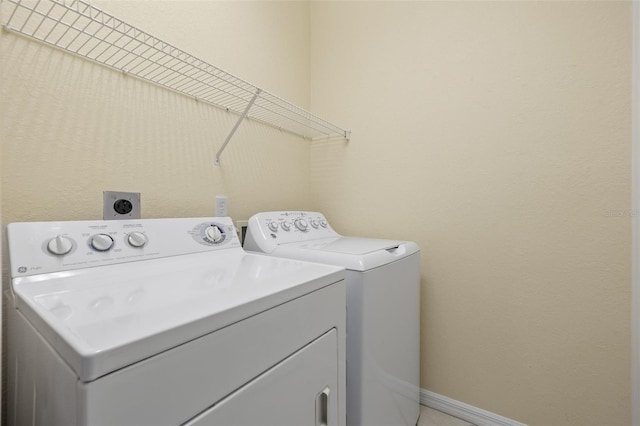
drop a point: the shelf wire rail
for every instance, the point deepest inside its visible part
(77, 27)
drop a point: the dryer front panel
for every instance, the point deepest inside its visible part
(302, 390)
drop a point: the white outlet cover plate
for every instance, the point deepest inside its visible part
(222, 204)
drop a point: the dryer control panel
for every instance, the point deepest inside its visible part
(42, 247)
(267, 230)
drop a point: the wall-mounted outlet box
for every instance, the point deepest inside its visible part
(120, 205)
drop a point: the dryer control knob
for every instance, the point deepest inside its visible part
(286, 225)
(323, 223)
(273, 226)
(213, 234)
(101, 242)
(59, 245)
(136, 239)
(301, 224)
(314, 223)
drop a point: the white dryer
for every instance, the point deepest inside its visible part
(169, 322)
(383, 309)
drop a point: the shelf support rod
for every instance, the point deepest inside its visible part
(242, 117)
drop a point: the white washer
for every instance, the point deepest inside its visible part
(169, 322)
(383, 309)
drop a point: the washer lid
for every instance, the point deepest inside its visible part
(357, 254)
(350, 245)
(105, 318)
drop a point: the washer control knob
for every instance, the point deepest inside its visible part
(273, 226)
(101, 242)
(314, 223)
(59, 245)
(286, 225)
(323, 223)
(301, 224)
(213, 234)
(136, 239)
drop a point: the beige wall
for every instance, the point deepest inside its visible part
(72, 129)
(497, 136)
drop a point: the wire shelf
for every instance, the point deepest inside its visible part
(77, 27)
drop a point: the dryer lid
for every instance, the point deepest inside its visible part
(105, 318)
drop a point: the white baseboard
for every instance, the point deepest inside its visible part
(463, 411)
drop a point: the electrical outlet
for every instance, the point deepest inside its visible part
(120, 205)
(222, 203)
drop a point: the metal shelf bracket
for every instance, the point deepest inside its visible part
(242, 117)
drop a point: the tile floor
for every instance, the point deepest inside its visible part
(431, 417)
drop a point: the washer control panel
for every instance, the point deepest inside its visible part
(281, 227)
(41, 247)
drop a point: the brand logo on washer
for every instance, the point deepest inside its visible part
(22, 269)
